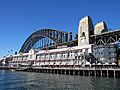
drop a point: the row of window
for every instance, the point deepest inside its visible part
(104, 58)
(20, 58)
(55, 56)
(104, 53)
(64, 55)
(104, 49)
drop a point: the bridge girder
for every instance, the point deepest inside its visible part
(112, 37)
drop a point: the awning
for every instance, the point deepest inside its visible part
(113, 63)
(87, 63)
(99, 64)
(106, 63)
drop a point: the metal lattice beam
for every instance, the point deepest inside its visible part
(55, 35)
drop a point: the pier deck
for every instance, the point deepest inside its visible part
(96, 72)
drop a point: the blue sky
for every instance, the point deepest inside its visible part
(20, 18)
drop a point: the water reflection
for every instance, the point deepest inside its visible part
(41, 81)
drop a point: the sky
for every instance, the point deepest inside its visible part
(20, 18)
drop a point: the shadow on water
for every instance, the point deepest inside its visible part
(41, 81)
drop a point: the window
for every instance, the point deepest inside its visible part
(40, 57)
(86, 50)
(68, 54)
(80, 50)
(109, 58)
(94, 53)
(102, 53)
(109, 53)
(30, 56)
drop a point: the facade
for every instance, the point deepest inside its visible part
(70, 56)
(105, 53)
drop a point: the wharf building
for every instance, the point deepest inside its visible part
(94, 45)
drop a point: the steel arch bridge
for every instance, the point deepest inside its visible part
(55, 38)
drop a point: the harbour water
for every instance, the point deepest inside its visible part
(14, 80)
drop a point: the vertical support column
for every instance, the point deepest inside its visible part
(89, 72)
(75, 36)
(78, 72)
(50, 42)
(101, 72)
(63, 36)
(50, 70)
(114, 74)
(57, 36)
(60, 71)
(66, 37)
(42, 43)
(116, 37)
(60, 38)
(105, 40)
(83, 72)
(107, 73)
(39, 44)
(45, 42)
(70, 37)
(95, 73)
(65, 72)
(54, 34)
(50, 33)
(69, 71)
(73, 71)
(57, 71)
(95, 41)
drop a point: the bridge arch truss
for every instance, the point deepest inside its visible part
(54, 36)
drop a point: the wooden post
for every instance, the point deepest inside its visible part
(107, 73)
(114, 74)
(101, 73)
(95, 73)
